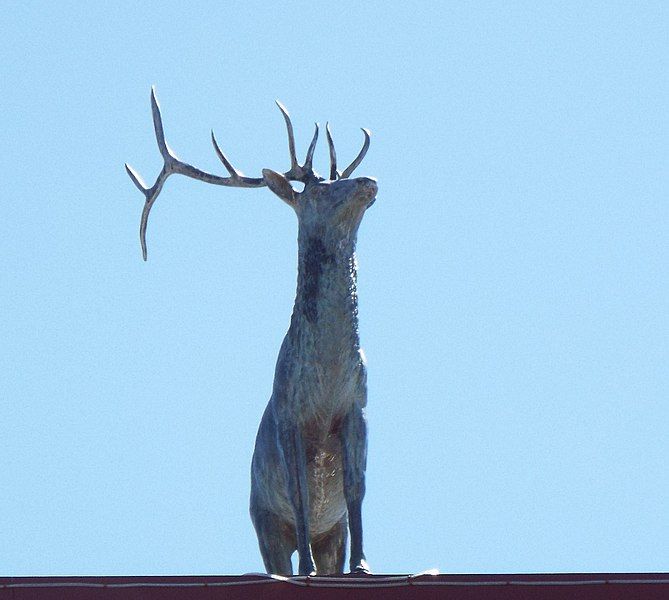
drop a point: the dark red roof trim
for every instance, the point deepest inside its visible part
(574, 586)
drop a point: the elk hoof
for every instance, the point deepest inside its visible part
(308, 569)
(362, 568)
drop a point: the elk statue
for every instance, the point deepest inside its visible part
(308, 467)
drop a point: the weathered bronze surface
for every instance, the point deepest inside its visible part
(308, 468)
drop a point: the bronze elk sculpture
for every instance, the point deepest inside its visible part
(308, 467)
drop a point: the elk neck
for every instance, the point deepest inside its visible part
(325, 315)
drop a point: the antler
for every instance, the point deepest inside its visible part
(334, 174)
(172, 164)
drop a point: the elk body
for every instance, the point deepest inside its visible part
(308, 467)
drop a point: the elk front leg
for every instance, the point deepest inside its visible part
(354, 444)
(295, 465)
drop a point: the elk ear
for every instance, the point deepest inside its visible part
(280, 186)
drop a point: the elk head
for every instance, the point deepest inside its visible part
(332, 207)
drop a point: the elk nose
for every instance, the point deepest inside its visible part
(369, 185)
(368, 188)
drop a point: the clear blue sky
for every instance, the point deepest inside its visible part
(513, 278)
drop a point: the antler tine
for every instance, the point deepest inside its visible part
(228, 165)
(361, 155)
(333, 154)
(158, 127)
(295, 170)
(172, 164)
(150, 194)
(240, 180)
(144, 221)
(136, 179)
(310, 152)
